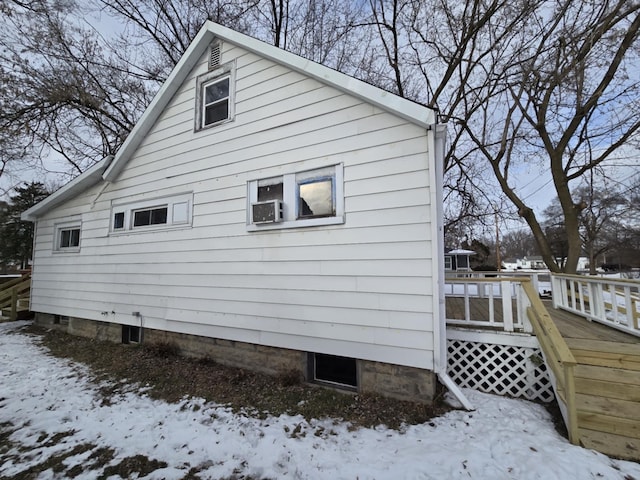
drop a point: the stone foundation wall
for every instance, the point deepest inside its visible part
(397, 381)
(393, 381)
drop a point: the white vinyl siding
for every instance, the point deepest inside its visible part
(363, 288)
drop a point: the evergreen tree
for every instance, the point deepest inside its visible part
(16, 236)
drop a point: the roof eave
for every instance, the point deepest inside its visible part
(79, 184)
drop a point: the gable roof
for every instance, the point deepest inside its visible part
(407, 109)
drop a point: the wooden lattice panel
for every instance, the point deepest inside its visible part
(500, 369)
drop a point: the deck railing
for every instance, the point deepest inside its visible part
(12, 292)
(613, 302)
(495, 302)
(536, 277)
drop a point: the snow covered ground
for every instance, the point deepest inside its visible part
(43, 396)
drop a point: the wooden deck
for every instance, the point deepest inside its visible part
(607, 381)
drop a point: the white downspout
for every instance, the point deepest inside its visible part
(437, 137)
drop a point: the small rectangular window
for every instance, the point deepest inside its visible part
(334, 370)
(166, 212)
(447, 262)
(270, 191)
(215, 102)
(118, 221)
(131, 334)
(150, 216)
(69, 238)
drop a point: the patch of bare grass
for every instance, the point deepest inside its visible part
(171, 377)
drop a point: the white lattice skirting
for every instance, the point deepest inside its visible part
(512, 370)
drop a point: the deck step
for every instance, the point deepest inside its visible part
(610, 444)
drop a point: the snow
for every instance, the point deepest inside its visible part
(43, 396)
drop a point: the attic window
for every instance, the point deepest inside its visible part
(215, 97)
(215, 103)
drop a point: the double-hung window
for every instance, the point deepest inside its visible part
(215, 104)
(215, 92)
(297, 199)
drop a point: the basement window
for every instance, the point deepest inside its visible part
(131, 334)
(60, 320)
(333, 370)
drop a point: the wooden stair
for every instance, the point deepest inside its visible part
(14, 299)
(607, 383)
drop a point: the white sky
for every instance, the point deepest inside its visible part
(502, 439)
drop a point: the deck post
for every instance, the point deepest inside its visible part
(570, 399)
(507, 308)
(13, 316)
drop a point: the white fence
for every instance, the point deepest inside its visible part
(498, 303)
(613, 302)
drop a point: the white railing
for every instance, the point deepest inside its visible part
(540, 280)
(613, 302)
(495, 302)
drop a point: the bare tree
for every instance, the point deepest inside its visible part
(65, 95)
(451, 56)
(573, 102)
(607, 211)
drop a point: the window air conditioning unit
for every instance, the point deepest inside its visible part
(266, 212)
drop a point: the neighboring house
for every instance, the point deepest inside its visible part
(266, 211)
(531, 263)
(458, 260)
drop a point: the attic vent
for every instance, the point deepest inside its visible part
(214, 56)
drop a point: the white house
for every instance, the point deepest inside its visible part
(266, 211)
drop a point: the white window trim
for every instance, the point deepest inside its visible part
(226, 70)
(290, 201)
(170, 202)
(58, 228)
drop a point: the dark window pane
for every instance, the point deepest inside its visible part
(65, 236)
(70, 238)
(316, 198)
(134, 334)
(270, 192)
(159, 216)
(141, 218)
(216, 112)
(333, 369)
(216, 91)
(118, 220)
(74, 241)
(153, 216)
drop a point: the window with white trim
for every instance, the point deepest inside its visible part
(215, 92)
(67, 237)
(298, 199)
(159, 213)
